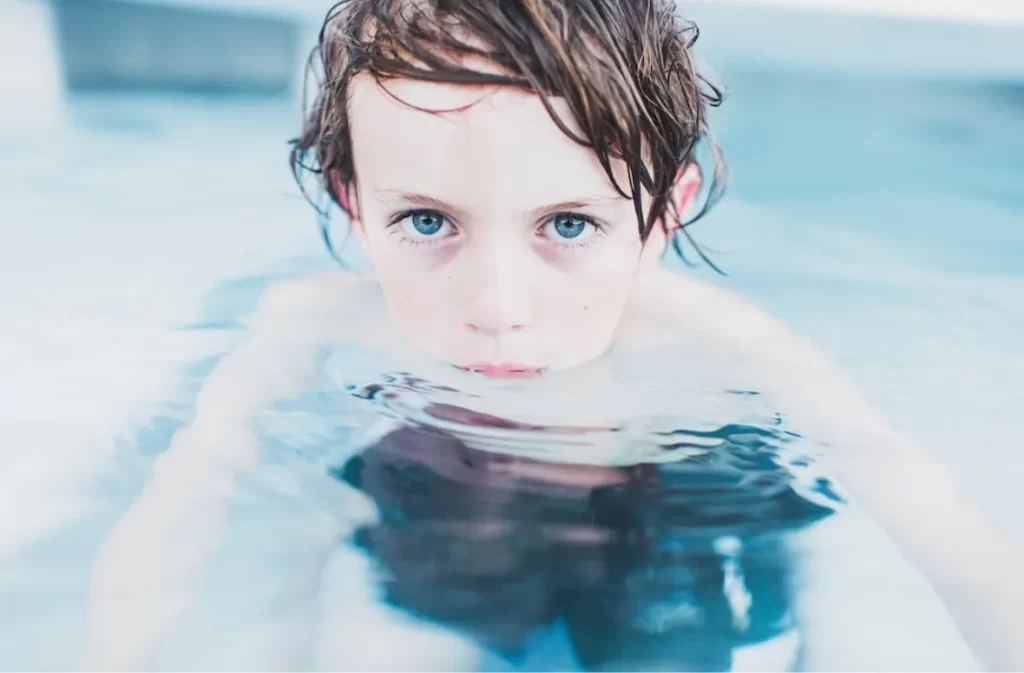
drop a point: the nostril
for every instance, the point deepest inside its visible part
(497, 330)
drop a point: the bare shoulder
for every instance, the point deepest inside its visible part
(697, 307)
(326, 290)
(790, 367)
(321, 304)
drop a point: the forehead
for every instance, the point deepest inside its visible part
(426, 136)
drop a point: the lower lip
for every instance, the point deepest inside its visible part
(503, 371)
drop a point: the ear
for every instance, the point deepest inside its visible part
(346, 194)
(682, 200)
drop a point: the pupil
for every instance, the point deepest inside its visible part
(568, 226)
(426, 223)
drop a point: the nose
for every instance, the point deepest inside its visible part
(500, 297)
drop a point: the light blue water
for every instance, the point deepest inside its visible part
(881, 218)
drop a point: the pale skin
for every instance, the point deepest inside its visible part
(495, 240)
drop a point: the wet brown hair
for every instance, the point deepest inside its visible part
(624, 68)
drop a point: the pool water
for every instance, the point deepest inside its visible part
(878, 216)
(882, 219)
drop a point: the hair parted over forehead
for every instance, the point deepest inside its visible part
(623, 67)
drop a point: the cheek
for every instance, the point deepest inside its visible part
(386, 249)
(598, 284)
(418, 305)
(600, 306)
(413, 280)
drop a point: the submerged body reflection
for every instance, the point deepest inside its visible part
(652, 566)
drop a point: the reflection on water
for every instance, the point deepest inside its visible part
(656, 565)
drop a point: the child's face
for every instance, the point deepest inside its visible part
(500, 244)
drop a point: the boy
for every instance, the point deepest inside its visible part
(514, 171)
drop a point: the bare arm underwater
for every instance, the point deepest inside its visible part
(142, 575)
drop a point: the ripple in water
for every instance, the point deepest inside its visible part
(673, 561)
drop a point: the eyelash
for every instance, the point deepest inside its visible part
(599, 227)
(406, 214)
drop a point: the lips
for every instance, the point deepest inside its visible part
(503, 371)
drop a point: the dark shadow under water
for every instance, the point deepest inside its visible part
(664, 566)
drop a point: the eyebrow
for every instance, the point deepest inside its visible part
(425, 201)
(394, 196)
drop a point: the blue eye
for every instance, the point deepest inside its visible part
(426, 223)
(570, 226)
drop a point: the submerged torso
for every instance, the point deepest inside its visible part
(667, 554)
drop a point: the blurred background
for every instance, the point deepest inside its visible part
(877, 206)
